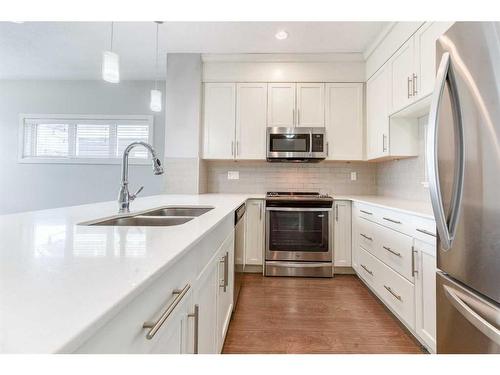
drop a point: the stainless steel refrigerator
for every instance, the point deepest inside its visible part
(463, 163)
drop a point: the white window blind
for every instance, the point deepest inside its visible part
(82, 138)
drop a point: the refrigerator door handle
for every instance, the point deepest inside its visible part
(445, 229)
(488, 329)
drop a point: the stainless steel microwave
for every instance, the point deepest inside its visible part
(299, 144)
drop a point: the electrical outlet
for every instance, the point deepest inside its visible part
(354, 176)
(233, 175)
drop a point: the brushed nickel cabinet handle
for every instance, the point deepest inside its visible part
(196, 316)
(384, 143)
(414, 79)
(298, 116)
(366, 269)
(293, 116)
(413, 263)
(426, 232)
(397, 296)
(391, 220)
(366, 212)
(155, 326)
(408, 91)
(392, 251)
(327, 149)
(336, 212)
(365, 236)
(225, 282)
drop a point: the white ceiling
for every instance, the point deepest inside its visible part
(72, 50)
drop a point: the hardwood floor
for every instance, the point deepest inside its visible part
(302, 315)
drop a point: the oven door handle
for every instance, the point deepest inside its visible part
(308, 209)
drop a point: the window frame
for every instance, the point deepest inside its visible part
(149, 119)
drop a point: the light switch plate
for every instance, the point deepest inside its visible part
(354, 176)
(233, 175)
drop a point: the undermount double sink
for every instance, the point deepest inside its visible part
(157, 217)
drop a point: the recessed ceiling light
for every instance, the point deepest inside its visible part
(281, 35)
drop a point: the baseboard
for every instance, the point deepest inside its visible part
(253, 268)
(344, 271)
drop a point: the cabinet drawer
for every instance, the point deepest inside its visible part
(124, 332)
(366, 212)
(368, 267)
(366, 234)
(424, 230)
(395, 250)
(398, 293)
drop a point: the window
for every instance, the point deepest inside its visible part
(83, 138)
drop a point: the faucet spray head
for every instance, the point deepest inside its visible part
(157, 168)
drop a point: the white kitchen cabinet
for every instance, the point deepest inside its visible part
(219, 116)
(281, 104)
(425, 289)
(225, 289)
(342, 234)
(377, 114)
(205, 299)
(254, 232)
(402, 70)
(425, 55)
(310, 104)
(251, 119)
(344, 121)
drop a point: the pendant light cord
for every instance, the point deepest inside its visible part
(156, 62)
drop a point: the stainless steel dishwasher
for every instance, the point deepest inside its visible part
(239, 250)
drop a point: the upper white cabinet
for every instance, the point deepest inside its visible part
(310, 104)
(403, 76)
(254, 232)
(425, 55)
(219, 120)
(342, 234)
(344, 121)
(296, 104)
(281, 104)
(234, 124)
(377, 114)
(251, 112)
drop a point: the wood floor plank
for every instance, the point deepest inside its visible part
(307, 315)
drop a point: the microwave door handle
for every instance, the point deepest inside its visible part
(310, 142)
(446, 232)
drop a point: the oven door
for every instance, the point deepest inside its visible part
(298, 233)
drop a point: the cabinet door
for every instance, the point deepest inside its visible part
(205, 298)
(251, 114)
(377, 114)
(342, 234)
(281, 104)
(402, 70)
(310, 104)
(254, 232)
(219, 120)
(425, 55)
(425, 296)
(225, 289)
(344, 121)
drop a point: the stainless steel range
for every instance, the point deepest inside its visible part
(298, 234)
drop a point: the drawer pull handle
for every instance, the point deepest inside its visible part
(365, 236)
(413, 263)
(398, 297)
(391, 220)
(367, 270)
(426, 232)
(196, 316)
(155, 326)
(392, 251)
(366, 212)
(225, 282)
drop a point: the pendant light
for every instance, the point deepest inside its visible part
(155, 103)
(111, 63)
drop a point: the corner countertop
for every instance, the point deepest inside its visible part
(418, 208)
(58, 279)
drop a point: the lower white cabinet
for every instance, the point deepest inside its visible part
(225, 289)
(342, 234)
(254, 232)
(425, 288)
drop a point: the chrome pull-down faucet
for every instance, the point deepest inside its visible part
(124, 196)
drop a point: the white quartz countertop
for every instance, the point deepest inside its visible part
(423, 209)
(59, 279)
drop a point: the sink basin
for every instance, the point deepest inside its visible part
(143, 221)
(178, 211)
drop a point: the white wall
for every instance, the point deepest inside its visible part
(26, 187)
